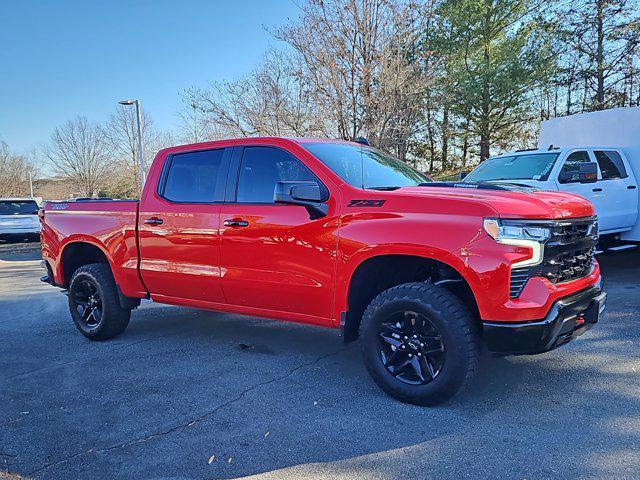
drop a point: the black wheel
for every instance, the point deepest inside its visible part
(94, 304)
(419, 343)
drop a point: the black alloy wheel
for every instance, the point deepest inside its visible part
(88, 304)
(411, 348)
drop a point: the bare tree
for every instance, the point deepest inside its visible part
(606, 36)
(363, 63)
(80, 152)
(272, 100)
(122, 133)
(14, 172)
(194, 126)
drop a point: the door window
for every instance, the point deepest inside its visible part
(262, 168)
(194, 177)
(570, 172)
(611, 164)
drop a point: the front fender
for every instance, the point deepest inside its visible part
(444, 238)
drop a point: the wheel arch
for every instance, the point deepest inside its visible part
(77, 253)
(373, 274)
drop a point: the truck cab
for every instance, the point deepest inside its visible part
(602, 175)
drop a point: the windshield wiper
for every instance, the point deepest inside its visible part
(390, 187)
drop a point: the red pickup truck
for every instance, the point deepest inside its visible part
(337, 234)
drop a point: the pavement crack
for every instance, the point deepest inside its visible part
(192, 422)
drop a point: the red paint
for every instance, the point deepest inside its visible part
(286, 266)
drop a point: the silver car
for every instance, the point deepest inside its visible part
(19, 219)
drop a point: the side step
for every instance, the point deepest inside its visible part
(621, 248)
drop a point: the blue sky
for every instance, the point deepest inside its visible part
(60, 58)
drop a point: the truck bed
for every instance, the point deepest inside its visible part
(110, 224)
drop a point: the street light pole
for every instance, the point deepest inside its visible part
(139, 120)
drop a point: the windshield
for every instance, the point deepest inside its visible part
(18, 207)
(365, 167)
(534, 166)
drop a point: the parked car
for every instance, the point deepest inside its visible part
(19, 219)
(596, 155)
(341, 235)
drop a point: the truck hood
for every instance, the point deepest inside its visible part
(509, 200)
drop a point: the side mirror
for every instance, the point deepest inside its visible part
(463, 175)
(306, 194)
(588, 173)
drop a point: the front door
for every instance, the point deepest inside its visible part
(179, 228)
(569, 181)
(274, 257)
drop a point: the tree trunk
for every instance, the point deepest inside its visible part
(432, 146)
(569, 90)
(486, 113)
(600, 56)
(445, 135)
(465, 145)
(484, 147)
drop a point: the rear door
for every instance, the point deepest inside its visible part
(619, 191)
(179, 228)
(274, 257)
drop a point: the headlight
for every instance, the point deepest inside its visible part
(519, 234)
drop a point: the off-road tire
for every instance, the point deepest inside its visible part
(113, 319)
(458, 331)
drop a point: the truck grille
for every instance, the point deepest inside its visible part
(568, 254)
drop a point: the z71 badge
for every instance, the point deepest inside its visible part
(366, 203)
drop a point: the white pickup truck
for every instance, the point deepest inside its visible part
(596, 155)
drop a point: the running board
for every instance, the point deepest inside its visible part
(621, 248)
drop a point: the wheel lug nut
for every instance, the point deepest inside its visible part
(419, 354)
(406, 338)
(422, 344)
(415, 336)
(410, 355)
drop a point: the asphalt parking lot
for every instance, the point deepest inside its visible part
(193, 394)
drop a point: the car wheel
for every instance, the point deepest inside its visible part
(94, 303)
(419, 343)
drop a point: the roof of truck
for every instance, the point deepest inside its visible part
(253, 140)
(554, 149)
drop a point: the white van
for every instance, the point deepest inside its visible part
(596, 155)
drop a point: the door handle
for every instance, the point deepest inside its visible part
(236, 223)
(154, 221)
(631, 187)
(596, 190)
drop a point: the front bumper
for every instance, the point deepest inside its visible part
(568, 318)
